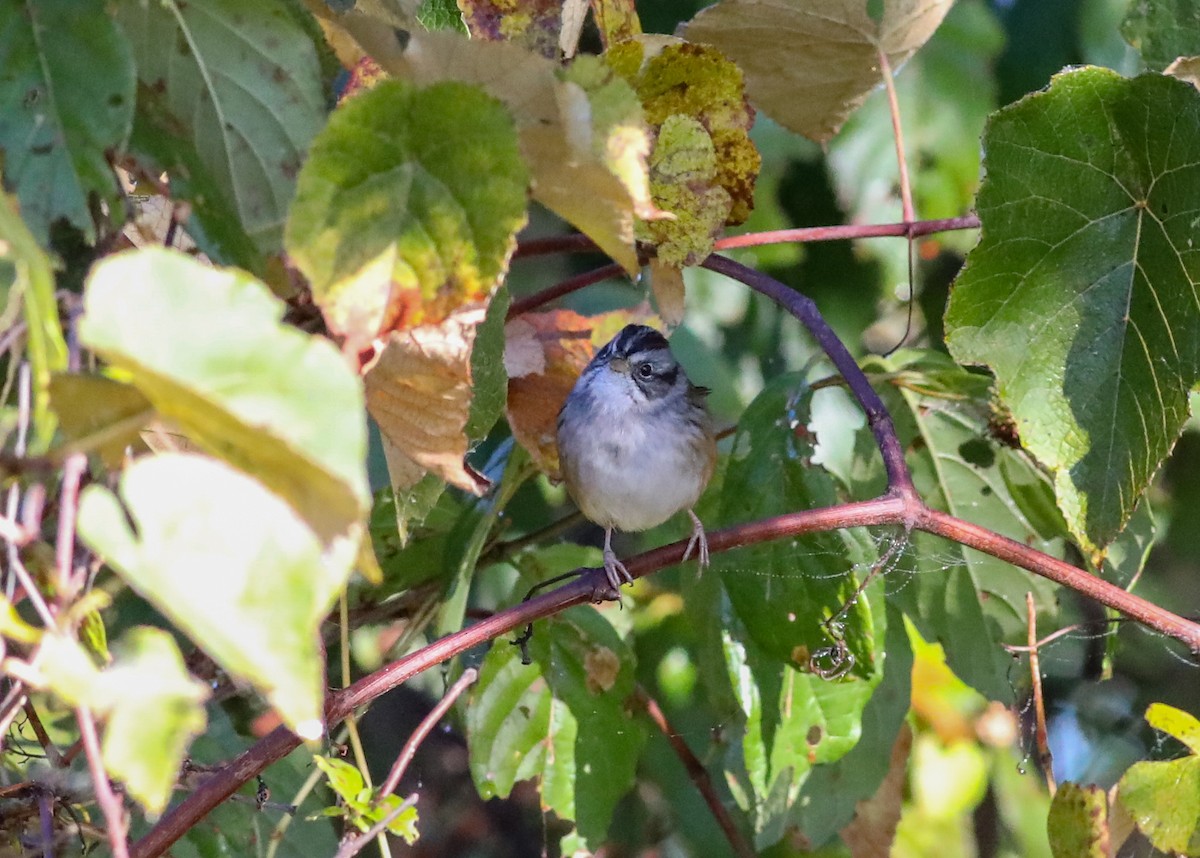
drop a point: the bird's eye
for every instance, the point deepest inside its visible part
(645, 370)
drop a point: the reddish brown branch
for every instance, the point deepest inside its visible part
(698, 774)
(566, 287)
(424, 729)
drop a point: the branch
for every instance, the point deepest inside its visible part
(110, 805)
(698, 774)
(901, 506)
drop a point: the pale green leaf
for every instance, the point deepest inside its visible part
(229, 563)
(295, 422)
(34, 281)
(1082, 293)
(66, 102)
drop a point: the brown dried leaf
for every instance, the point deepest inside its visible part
(810, 65)
(666, 282)
(544, 353)
(419, 389)
(871, 832)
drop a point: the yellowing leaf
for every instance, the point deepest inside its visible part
(674, 78)
(407, 207)
(99, 413)
(810, 64)
(683, 172)
(666, 282)
(419, 390)
(151, 706)
(232, 565)
(294, 422)
(581, 133)
(616, 20)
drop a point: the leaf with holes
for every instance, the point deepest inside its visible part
(564, 719)
(784, 590)
(810, 65)
(66, 100)
(230, 96)
(1082, 293)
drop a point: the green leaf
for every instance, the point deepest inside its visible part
(968, 601)
(829, 796)
(1163, 30)
(564, 719)
(230, 97)
(1081, 296)
(791, 721)
(66, 102)
(1164, 800)
(1078, 822)
(232, 565)
(295, 422)
(813, 90)
(393, 227)
(784, 590)
(488, 377)
(151, 705)
(34, 281)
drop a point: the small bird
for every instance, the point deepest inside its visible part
(636, 442)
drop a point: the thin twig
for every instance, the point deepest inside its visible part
(13, 701)
(424, 729)
(354, 845)
(68, 508)
(566, 287)
(110, 805)
(906, 203)
(35, 723)
(14, 491)
(1039, 704)
(698, 774)
(46, 821)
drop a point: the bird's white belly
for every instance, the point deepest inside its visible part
(637, 479)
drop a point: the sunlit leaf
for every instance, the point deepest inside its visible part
(151, 706)
(616, 20)
(810, 65)
(66, 101)
(295, 422)
(230, 96)
(1081, 296)
(392, 227)
(1078, 822)
(231, 564)
(564, 718)
(581, 131)
(1164, 797)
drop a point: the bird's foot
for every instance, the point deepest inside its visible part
(699, 538)
(615, 570)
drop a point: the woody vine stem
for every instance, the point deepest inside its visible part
(898, 506)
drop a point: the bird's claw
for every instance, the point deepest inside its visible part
(699, 538)
(615, 570)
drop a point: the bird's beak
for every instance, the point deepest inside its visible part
(620, 365)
